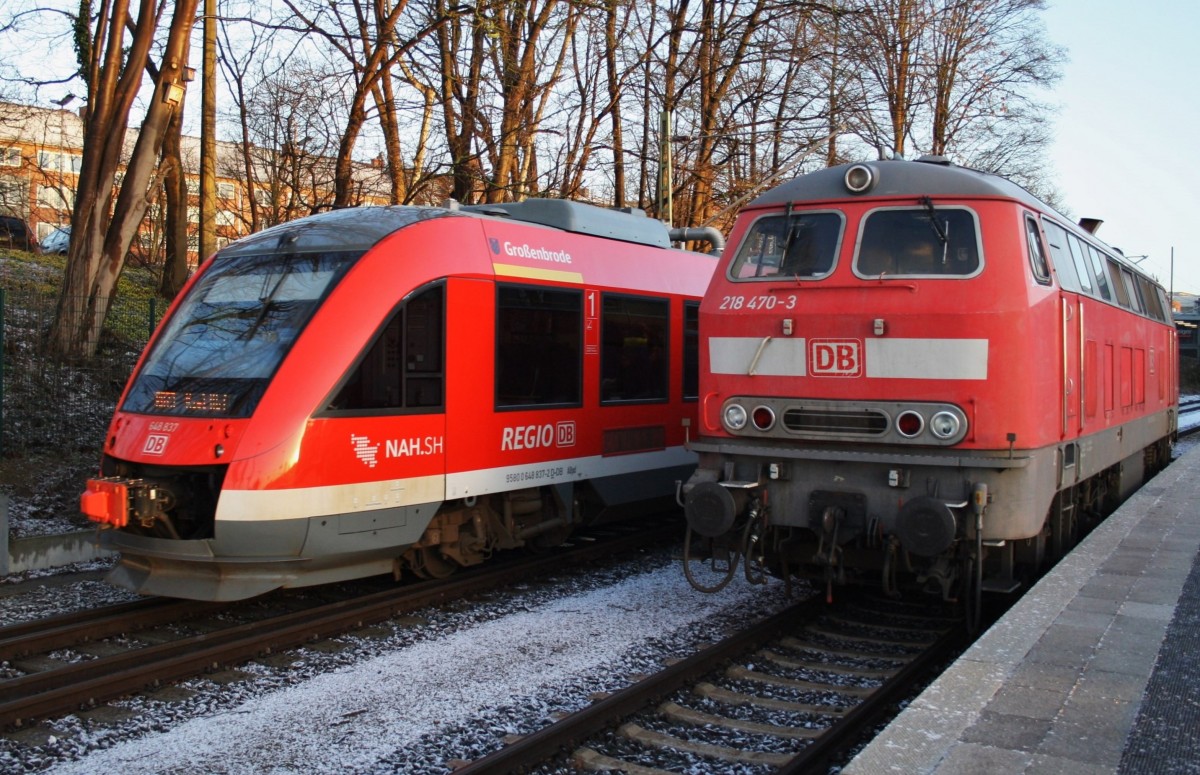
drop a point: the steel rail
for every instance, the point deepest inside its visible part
(848, 729)
(548, 742)
(42, 635)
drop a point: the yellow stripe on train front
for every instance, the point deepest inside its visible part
(535, 273)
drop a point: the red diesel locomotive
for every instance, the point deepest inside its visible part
(377, 389)
(913, 370)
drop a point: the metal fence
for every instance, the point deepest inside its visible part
(51, 404)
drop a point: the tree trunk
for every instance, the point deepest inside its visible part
(175, 264)
(100, 241)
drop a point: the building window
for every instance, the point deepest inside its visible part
(56, 197)
(14, 194)
(10, 157)
(54, 161)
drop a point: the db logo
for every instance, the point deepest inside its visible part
(156, 444)
(835, 358)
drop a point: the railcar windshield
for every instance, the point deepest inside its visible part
(918, 242)
(798, 244)
(223, 344)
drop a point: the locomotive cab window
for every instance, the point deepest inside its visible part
(403, 367)
(1037, 252)
(539, 335)
(926, 241)
(633, 357)
(801, 244)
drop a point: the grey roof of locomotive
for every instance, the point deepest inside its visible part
(927, 176)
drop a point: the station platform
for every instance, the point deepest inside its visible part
(1094, 670)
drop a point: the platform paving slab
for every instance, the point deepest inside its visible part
(1092, 671)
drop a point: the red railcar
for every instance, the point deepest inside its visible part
(375, 389)
(912, 369)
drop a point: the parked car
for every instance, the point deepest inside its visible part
(14, 233)
(57, 241)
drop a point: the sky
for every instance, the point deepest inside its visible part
(1127, 149)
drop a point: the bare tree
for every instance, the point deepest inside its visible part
(294, 130)
(247, 57)
(368, 43)
(985, 61)
(175, 261)
(885, 44)
(101, 233)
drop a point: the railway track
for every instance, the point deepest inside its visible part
(75, 661)
(786, 695)
(1189, 416)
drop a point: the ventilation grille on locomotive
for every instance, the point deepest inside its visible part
(868, 423)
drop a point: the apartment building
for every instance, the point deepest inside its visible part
(41, 155)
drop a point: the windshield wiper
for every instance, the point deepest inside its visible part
(942, 232)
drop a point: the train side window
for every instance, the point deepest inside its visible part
(539, 346)
(918, 242)
(1079, 257)
(1122, 291)
(403, 368)
(1060, 254)
(633, 355)
(691, 350)
(1131, 289)
(801, 244)
(1150, 298)
(1102, 283)
(1037, 251)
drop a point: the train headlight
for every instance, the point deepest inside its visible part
(945, 425)
(909, 424)
(859, 179)
(735, 417)
(763, 418)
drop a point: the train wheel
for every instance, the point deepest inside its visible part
(712, 570)
(428, 563)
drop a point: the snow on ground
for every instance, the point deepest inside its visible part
(353, 719)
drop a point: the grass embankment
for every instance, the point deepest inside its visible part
(55, 414)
